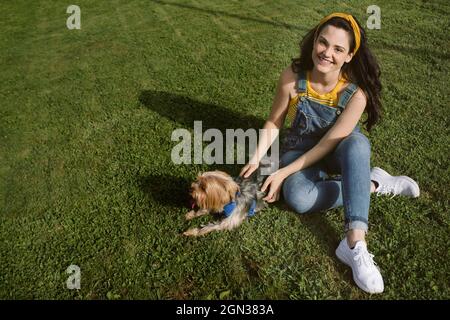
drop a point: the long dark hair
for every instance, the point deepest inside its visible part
(363, 69)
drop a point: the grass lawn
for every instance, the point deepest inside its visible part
(86, 176)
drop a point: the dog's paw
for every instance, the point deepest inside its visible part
(190, 215)
(191, 232)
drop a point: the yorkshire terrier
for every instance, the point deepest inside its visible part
(217, 192)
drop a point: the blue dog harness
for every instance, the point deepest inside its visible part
(228, 208)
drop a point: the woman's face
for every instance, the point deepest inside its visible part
(331, 49)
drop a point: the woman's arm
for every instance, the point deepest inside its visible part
(341, 129)
(275, 121)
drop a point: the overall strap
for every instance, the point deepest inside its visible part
(301, 86)
(347, 95)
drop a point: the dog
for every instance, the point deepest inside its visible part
(216, 192)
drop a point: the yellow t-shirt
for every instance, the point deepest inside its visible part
(329, 99)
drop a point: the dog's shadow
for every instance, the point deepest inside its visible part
(167, 191)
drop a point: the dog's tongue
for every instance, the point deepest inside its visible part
(192, 203)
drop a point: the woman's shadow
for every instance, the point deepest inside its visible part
(172, 191)
(184, 111)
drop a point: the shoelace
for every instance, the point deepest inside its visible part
(386, 190)
(365, 257)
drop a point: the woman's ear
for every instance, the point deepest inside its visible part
(349, 57)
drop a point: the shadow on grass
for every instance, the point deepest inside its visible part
(167, 191)
(414, 51)
(232, 15)
(184, 111)
(173, 192)
(318, 224)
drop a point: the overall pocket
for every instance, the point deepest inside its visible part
(319, 126)
(320, 118)
(303, 125)
(290, 140)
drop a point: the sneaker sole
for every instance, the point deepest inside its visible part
(341, 257)
(416, 191)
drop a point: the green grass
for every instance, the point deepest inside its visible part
(86, 177)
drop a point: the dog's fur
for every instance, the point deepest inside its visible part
(214, 189)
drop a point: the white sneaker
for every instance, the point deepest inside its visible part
(395, 185)
(365, 272)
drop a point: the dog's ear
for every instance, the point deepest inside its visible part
(199, 195)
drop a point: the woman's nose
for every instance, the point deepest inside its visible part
(328, 52)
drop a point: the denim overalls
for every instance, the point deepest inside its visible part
(312, 119)
(311, 189)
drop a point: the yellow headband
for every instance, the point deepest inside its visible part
(352, 22)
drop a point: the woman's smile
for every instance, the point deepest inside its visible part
(324, 61)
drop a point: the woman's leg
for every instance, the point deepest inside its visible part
(307, 191)
(351, 159)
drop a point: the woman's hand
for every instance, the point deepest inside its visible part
(248, 169)
(275, 181)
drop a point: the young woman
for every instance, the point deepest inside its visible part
(324, 93)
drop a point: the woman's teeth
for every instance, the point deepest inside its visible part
(325, 60)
